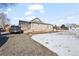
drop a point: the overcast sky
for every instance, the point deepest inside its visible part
(48, 12)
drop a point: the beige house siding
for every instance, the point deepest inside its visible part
(35, 26)
(40, 28)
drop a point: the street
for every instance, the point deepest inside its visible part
(22, 45)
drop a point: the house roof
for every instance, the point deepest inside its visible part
(36, 20)
(77, 25)
(23, 21)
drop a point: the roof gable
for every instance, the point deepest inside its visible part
(36, 20)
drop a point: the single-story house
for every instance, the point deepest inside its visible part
(35, 25)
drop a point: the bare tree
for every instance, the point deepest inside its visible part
(64, 27)
(3, 16)
(3, 19)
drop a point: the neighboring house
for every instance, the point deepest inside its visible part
(77, 27)
(35, 25)
(71, 26)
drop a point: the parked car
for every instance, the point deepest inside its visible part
(15, 29)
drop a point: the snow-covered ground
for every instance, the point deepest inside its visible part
(62, 43)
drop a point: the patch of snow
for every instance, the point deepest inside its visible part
(63, 45)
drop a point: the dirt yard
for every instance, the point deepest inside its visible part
(22, 45)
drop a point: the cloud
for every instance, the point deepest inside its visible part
(28, 12)
(42, 11)
(61, 20)
(9, 9)
(6, 12)
(70, 17)
(15, 20)
(36, 7)
(29, 18)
